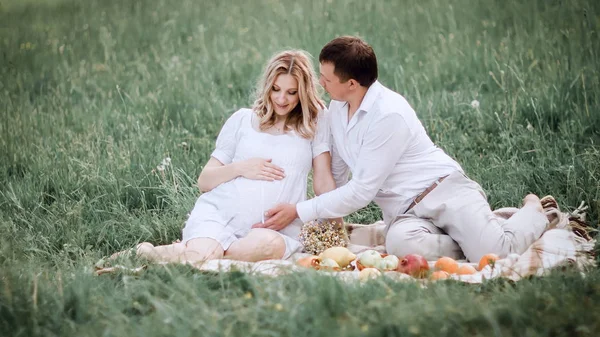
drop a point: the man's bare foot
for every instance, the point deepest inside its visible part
(549, 202)
(534, 201)
(553, 213)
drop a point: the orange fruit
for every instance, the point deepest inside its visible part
(446, 264)
(487, 259)
(466, 269)
(439, 275)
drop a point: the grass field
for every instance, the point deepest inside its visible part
(95, 94)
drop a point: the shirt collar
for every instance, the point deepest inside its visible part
(369, 100)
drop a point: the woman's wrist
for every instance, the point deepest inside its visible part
(237, 169)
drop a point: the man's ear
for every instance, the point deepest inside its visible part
(353, 84)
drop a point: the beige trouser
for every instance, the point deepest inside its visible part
(455, 220)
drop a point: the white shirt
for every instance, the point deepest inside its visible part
(388, 152)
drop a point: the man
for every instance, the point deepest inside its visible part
(429, 206)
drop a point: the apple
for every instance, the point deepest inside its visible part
(370, 258)
(368, 274)
(390, 262)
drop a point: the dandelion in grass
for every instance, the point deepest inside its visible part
(164, 164)
(475, 104)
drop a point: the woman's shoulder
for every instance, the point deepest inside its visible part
(242, 113)
(240, 117)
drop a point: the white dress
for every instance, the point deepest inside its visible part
(227, 212)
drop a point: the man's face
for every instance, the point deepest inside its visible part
(336, 89)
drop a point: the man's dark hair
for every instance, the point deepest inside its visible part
(351, 58)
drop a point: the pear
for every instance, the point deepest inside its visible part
(328, 264)
(341, 255)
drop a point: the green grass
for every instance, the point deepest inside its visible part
(95, 94)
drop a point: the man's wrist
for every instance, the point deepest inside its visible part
(305, 212)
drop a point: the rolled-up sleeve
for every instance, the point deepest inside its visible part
(385, 142)
(227, 139)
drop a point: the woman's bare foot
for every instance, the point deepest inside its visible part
(534, 201)
(144, 249)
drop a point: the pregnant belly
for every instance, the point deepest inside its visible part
(257, 196)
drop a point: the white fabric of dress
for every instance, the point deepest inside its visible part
(227, 212)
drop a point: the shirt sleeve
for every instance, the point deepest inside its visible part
(320, 142)
(228, 138)
(384, 143)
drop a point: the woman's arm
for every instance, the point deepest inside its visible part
(323, 181)
(322, 177)
(215, 173)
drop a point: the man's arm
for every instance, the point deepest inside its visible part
(385, 142)
(283, 214)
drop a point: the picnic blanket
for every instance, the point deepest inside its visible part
(566, 242)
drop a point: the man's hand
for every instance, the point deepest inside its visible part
(279, 217)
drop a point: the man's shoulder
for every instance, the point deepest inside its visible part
(391, 102)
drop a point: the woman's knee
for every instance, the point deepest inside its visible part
(258, 244)
(202, 249)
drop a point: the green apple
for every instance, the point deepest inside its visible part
(390, 262)
(370, 258)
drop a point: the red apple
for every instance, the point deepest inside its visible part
(414, 265)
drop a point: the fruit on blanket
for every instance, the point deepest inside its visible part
(439, 275)
(311, 261)
(487, 259)
(466, 269)
(389, 262)
(414, 265)
(328, 264)
(341, 255)
(368, 274)
(370, 258)
(446, 264)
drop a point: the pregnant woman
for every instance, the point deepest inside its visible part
(262, 158)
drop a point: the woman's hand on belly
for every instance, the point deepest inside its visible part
(260, 169)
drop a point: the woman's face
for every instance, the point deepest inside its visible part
(284, 94)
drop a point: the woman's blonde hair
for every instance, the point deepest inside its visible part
(303, 118)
